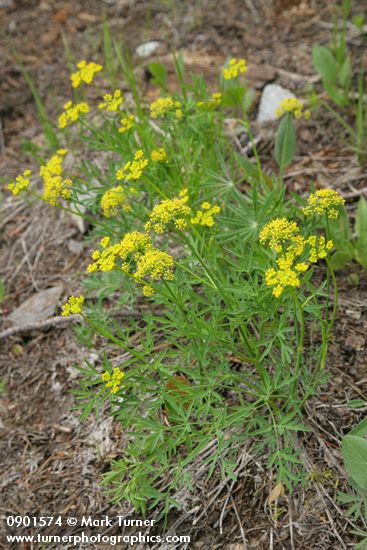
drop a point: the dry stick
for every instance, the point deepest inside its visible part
(356, 193)
(239, 523)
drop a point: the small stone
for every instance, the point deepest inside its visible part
(354, 342)
(148, 48)
(75, 247)
(271, 97)
(39, 307)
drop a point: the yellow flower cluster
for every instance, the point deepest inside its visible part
(170, 210)
(85, 73)
(235, 68)
(214, 101)
(127, 123)
(158, 155)
(205, 216)
(277, 232)
(134, 255)
(114, 380)
(72, 113)
(320, 248)
(292, 105)
(163, 105)
(111, 102)
(113, 199)
(73, 305)
(21, 183)
(324, 201)
(283, 236)
(55, 185)
(133, 169)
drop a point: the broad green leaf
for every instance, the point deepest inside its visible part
(341, 258)
(354, 450)
(361, 218)
(361, 429)
(356, 404)
(345, 72)
(334, 94)
(159, 74)
(325, 64)
(285, 142)
(361, 232)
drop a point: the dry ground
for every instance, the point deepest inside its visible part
(49, 461)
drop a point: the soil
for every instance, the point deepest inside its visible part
(51, 463)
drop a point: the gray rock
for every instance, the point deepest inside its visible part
(39, 307)
(272, 95)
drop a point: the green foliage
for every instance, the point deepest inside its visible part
(348, 246)
(334, 64)
(354, 451)
(285, 142)
(214, 358)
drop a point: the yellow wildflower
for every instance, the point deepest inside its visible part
(85, 73)
(126, 123)
(113, 380)
(112, 102)
(235, 68)
(113, 199)
(55, 185)
(324, 201)
(72, 113)
(320, 247)
(163, 105)
(158, 155)
(294, 106)
(213, 101)
(73, 305)
(21, 183)
(134, 255)
(156, 265)
(133, 170)
(278, 232)
(134, 244)
(205, 216)
(167, 211)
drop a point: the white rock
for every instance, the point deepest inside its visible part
(272, 95)
(146, 49)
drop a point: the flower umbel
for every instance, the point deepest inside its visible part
(136, 256)
(126, 124)
(170, 210)
(113, 381)
(112, 102)
(158, 155)
(294, 106)
(324, 201)
(72, 113)
(55, 186)
(163, 105)
(21, 183)
(73, 305)
(85, 74)
(113, 199)
(133, 169)
(235, 68)
(277, 232)
(205, 216)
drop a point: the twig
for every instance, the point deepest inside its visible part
(53, 321)
(239, 523)
(355, 193)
